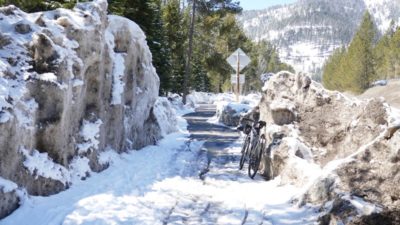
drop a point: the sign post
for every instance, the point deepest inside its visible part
(238, 61)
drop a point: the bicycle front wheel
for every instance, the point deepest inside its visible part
(245, 148)
(255, 157)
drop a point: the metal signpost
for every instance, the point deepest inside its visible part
(234, 79)
(238, 60)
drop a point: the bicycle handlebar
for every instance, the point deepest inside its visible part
(248, 119)
(261, 123)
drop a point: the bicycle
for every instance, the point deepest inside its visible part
(253, 146)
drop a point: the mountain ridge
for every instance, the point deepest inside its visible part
(308, 31)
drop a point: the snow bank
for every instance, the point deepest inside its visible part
(128, 191)
(228, 111)
(166, 116)
(68, 93)
(195, 98)
(331, 146)
(177, 104)
(40, 164)
(118, 74)
(7, 185)
(79, 168)
(90, 133)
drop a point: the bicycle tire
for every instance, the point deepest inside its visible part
(245, 148)
(255, 157)
(251, 169)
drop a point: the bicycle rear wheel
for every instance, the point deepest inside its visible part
(245, 148)
(255, 157)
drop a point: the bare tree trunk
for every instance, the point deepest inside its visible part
(189, 54)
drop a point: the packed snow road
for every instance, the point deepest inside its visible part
(182, 180)
(215, 137)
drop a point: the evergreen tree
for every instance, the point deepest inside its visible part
(159, 47)
(353, 69)
(40, 5)
(334, 76)
(173, 19)
(361, 57)
(265, 59)
(395, 54)
(382, 55)
(200, 80)
(27, 6)
(219, 35)
(207, 24)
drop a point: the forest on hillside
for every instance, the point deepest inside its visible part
(189, 41)
(368, 58)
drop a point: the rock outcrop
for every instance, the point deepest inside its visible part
(345, 152)
(72, 84)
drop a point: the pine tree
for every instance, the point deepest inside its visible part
(395, 54)
(334, 75)
(354, 69)
(361, 57)
(200, 80)
(265, 59)
(40, 5)
(382, 56)
(173, 19)
(27, 6)
(159, 47)
(117, 7)
(188, 62)
(211, 14)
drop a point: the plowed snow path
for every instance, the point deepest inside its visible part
(179, 181)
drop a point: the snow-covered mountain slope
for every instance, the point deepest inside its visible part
(73, 83)
(307, 32)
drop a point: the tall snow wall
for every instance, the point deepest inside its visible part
(344, 152)
(73, 83)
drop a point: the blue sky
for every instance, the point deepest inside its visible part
(262, 4)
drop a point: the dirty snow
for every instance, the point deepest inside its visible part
(167, 189)
(165, 115)
(79, 168)
(225, 100)
(15, 64)
(51, 77)
(90, 132)
(40, 164)
(7, 185)
(118, 74)
(363, 207)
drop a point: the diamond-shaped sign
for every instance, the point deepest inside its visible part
(240, 56)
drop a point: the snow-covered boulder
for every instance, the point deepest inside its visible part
(229, 113)
(338, 149)
(72, 84)
(166, 116)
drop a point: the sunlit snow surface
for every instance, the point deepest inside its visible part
(161, 185)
